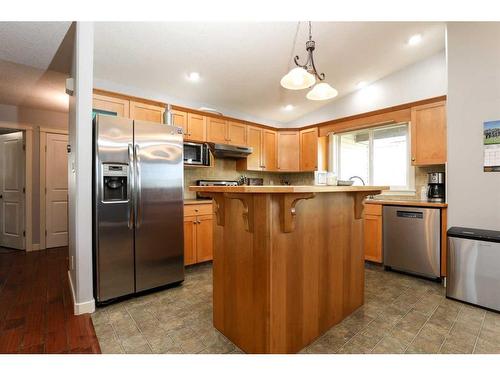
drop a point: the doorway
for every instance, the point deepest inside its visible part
(12, 189)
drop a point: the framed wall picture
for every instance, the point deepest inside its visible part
(491, 142)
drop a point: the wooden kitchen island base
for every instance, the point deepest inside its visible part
(288, 263)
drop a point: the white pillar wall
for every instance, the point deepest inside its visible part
(80, 170)
(473, 58)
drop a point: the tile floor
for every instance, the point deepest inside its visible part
(402, 314)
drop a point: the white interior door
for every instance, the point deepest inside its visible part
(12, 173)
(56, 198)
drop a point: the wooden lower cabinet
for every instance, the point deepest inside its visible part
(373, 232)
(198, 233)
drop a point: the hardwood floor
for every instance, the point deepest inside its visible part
(36, 308)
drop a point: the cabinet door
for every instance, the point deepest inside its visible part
(189, 240)
(146, 112)
(179, 118)
(216, 130)
(252, 162)
(309, 149)
(373, 238)
(111, 104)
(237, 133)
(288, 151)
(204, 238)
(269, 150)
(428, 134)
(197, 127)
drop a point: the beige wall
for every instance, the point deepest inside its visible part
(36, 118)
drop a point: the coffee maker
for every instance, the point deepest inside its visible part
(435, 187)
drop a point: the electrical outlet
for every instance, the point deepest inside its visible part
(71, 263)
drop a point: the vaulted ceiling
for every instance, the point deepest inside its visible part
(241, 64)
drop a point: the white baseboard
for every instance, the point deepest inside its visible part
(87, 307)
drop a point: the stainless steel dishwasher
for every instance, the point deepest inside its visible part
(474, 266)
(412, 240)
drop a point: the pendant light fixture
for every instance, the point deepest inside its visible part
(305, 75)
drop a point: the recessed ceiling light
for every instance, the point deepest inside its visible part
(415, 39)
(288, 107)
(194, 76)
(361, 84)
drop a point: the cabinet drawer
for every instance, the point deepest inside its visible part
(198, 209)
(373, 209)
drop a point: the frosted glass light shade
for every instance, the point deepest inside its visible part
(322, 91)
(297, 79)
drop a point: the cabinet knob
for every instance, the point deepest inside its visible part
(413, 159)
(195, 210)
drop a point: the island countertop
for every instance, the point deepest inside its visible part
(287, 189)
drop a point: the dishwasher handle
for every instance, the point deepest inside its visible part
(410, 214)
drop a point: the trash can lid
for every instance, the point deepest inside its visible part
(475, 234)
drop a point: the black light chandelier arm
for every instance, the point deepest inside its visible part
(309, 64)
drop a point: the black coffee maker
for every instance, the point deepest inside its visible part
(435, 187)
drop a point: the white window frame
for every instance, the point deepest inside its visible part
(334, 162)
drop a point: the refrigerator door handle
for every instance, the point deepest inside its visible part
(130, 186)
(138, 201)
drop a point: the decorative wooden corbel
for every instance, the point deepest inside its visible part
(359, 197)
(218, 206)
(248, 209)
(287, 209)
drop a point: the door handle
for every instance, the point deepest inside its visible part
(138, 193)
(130, 186)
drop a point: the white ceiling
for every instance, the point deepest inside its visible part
(31, 43)
(28, 52)
(241, 64)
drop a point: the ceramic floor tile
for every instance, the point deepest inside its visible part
(401, 313)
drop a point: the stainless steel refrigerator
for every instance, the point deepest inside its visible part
(138, 206)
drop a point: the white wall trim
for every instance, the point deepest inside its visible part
(87, 307)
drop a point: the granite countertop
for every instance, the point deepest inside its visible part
(287, 189)
(197, 201)
(405, 202)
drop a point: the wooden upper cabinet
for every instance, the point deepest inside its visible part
(117, 106)
(288, 150)
(236, 133)
(269, 150)
(146, 112)
(428, 134)
(197, 128)
(309, 149)
(216, 130)
(252, 162)
(179, 118)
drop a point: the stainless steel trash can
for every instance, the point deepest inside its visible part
(474, 266)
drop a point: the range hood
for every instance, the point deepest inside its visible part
(220, 150)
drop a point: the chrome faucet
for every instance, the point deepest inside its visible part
(359, 178)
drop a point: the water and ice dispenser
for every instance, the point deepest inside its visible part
(114, 182)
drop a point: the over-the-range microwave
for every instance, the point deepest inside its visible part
(196, 154)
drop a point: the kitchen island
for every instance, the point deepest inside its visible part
(288, 262)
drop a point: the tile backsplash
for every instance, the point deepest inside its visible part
(226, 169)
